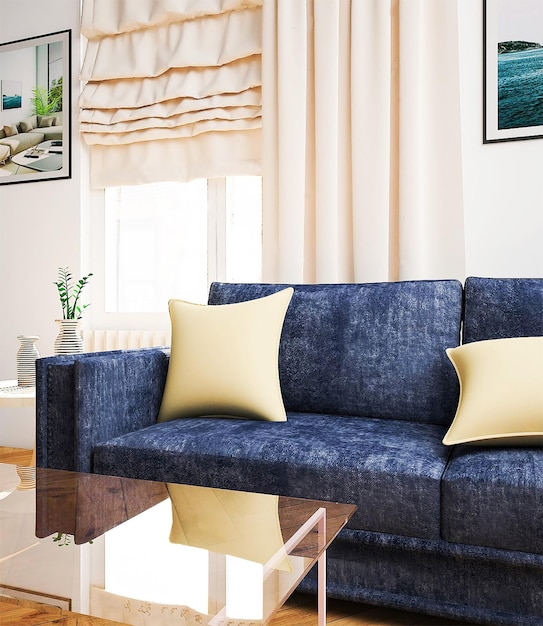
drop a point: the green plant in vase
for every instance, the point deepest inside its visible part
(62, 539)
(69, 293)
(69, 340)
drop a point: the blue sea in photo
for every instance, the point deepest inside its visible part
(11, 102)
(520, 89)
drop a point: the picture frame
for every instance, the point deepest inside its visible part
(11, 94)
(512, 58)
(35, 114)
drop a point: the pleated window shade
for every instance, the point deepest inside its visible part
(172, 89)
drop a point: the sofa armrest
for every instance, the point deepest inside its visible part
(92, 397)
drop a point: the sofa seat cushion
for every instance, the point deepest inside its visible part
(391, 469)
(494, 497)
(23, 141)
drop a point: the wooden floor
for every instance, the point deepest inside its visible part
(300, 609)
(27, 613)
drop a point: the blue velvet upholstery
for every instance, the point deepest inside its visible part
(394, 477)
(55, 411)
(55, 420)
(87, 398)
(374, 350)
(496, 308)
(450, 531)
(494, 497)
(469, 583)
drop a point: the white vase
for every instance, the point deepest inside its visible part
(26, 360)
(69, 340)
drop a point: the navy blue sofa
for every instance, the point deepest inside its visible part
(369, 393)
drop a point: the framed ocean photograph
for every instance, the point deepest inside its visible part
(11, 94)
(35, 114)
(513, 70)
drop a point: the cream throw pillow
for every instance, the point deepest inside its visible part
(47, 122)
(27, 125)
(501, 392)
(10, 130)
(224, 359)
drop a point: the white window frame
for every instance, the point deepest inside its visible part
(216, 229)
(98, 317)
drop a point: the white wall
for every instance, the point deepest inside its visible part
(44, 566)
(41, 224)
(503, 183)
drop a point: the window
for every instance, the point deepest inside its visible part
(171, 240)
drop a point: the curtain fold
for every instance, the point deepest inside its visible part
(209, 155)
(362, 175)
(171, 81)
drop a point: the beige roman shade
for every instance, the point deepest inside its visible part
(172, 89)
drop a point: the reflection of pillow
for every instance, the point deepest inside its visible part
(236, 523)
(224, 359)
(501, 392)
(45, 122)
(10, 130)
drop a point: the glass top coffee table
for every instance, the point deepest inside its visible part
(45, 157)
(143, 552)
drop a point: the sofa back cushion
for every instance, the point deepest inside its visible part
(496, 308)
(10, 130)
(29, 124)
(46, 121)
(372, 350)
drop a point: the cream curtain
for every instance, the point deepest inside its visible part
(172, 89)
(361, 141)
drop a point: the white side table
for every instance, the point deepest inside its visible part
(12, 395)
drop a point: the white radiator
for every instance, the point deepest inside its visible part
(97, 340)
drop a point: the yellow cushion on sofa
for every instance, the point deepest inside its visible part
(224, 359)
(501, 392)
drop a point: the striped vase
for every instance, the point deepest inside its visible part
(26, 360)
(69, 340)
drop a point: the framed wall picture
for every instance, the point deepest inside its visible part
(35, 115)
(513, 70)
(11, 94)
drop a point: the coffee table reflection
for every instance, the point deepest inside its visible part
(210, 556)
